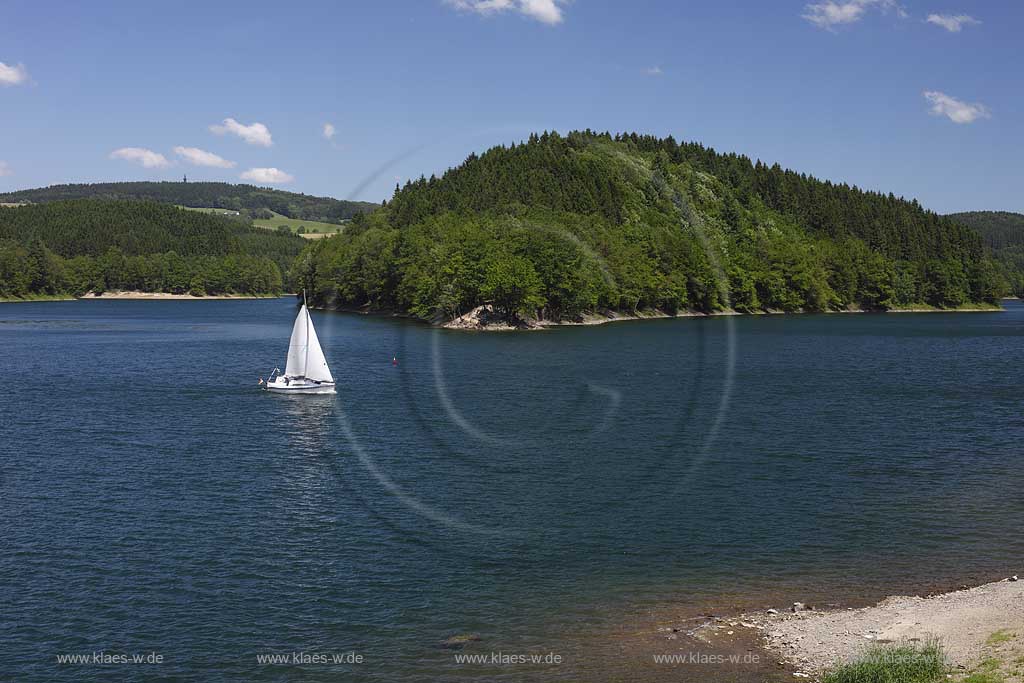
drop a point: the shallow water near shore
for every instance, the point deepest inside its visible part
(562, 492)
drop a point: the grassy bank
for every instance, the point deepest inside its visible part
(903, 663)
(28, 298)
(927, 663)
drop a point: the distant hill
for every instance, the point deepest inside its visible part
(203, 195)
(74, 246)
(1003, 234)
(564, 225)
(998, 229)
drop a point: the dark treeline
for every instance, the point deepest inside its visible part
(212, 195)
(72, 247)
(564, 225)
(1003, 235)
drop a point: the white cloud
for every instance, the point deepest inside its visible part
(545, 11)
(267, 176)
(482, 6)
(954, 109)
(200, 157)
(140, 155)
(654, 71)
(830, 13)
(5, 169)
(254, 133)
(952, 23)
(12, 75)
(329, 131)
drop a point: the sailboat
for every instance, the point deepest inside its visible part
(306, 371)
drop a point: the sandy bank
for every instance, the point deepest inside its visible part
(983, 623)
(164, 296)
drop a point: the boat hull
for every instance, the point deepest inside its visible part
(298, 386)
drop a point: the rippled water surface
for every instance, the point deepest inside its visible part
(544, 491)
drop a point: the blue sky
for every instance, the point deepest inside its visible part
(864, 91)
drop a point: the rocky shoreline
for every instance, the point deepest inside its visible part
(981, 626)
(485, 319)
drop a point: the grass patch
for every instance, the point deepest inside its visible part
(313, 229)
(1001, 636)
(988, 670)
(293, 224)
(903, 663)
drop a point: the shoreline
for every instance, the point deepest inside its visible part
(984, 623)
(167, 296)
(143, 296)
(481, 319)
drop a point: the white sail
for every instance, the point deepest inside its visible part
(316, 364)
(296, 366)
(305, 357)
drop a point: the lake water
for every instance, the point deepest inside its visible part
(563, 492)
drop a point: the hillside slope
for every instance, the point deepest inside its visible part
(1003, 234)
(561, 226)
(70, 247)
(998, 229)
(208, 195)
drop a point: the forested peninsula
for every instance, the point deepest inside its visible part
(69, 248)
(559, 227)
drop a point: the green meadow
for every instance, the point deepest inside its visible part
(313, 229)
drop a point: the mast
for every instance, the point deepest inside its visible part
(305, 309)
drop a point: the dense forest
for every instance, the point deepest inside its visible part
(76, 246)
(1003, 235)
(204, 195)
(561, 226)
